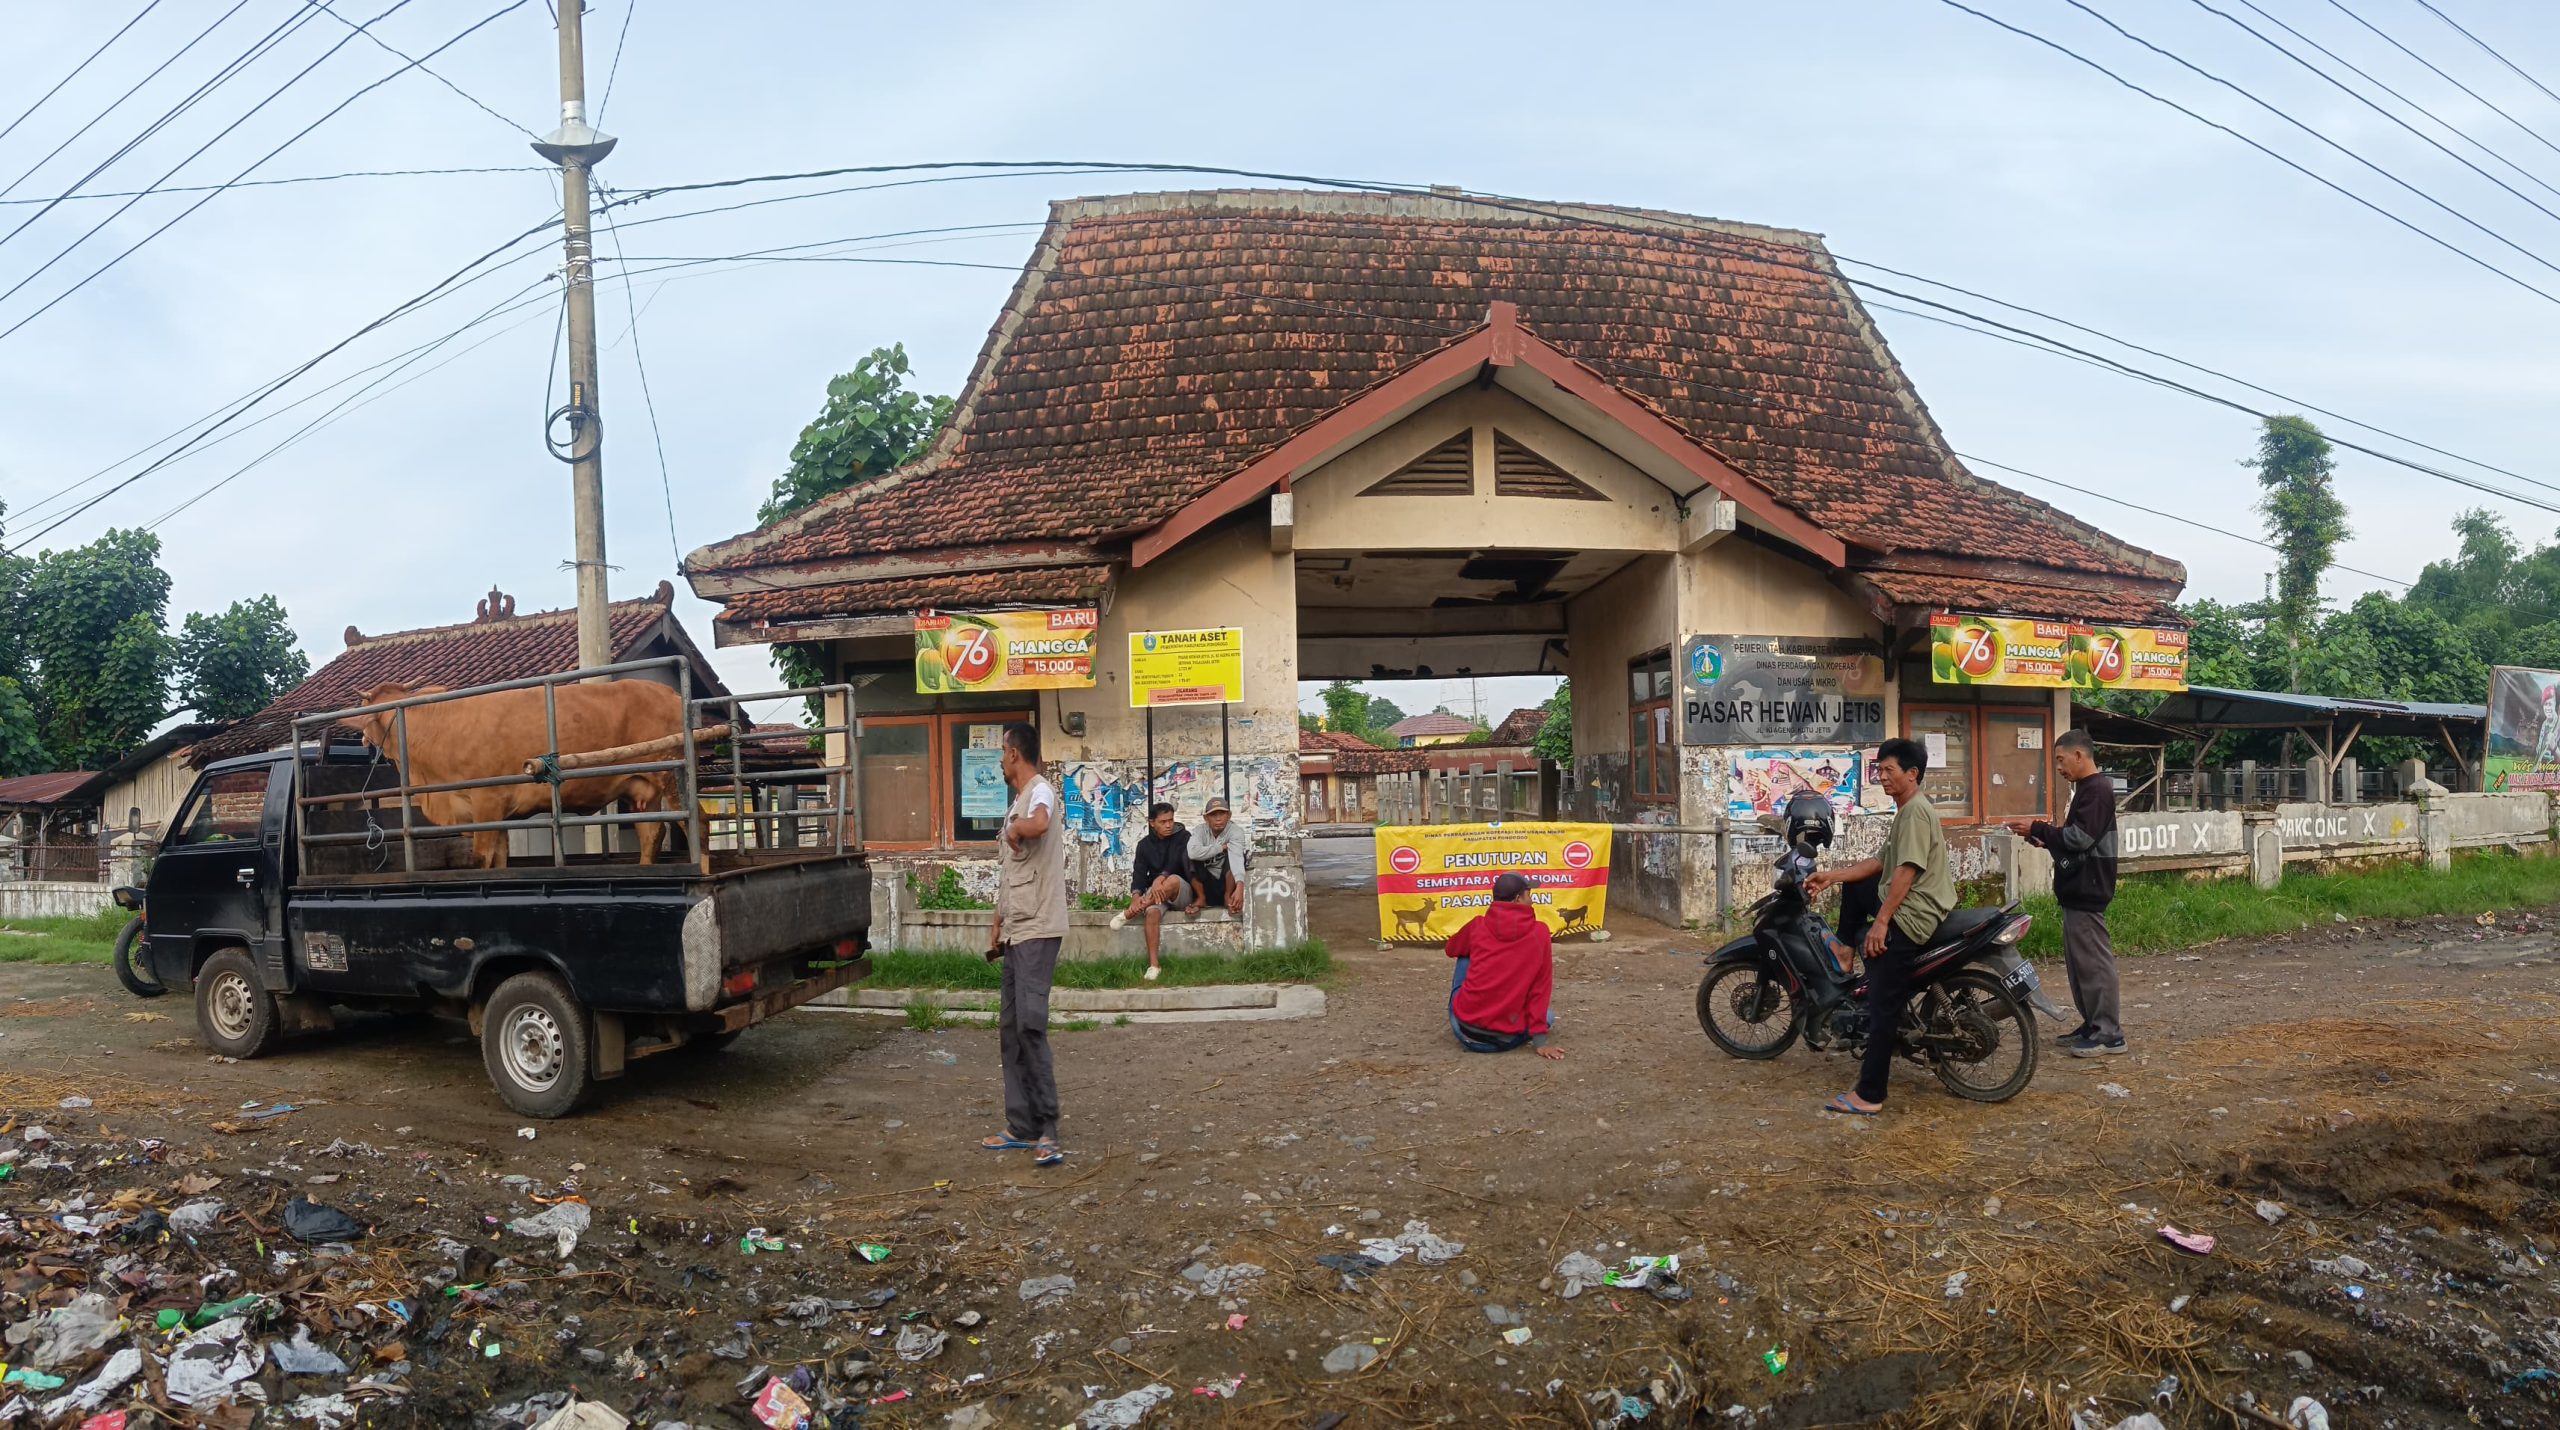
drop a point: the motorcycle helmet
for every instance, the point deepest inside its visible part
(1808, 820)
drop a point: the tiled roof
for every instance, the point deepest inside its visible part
(1519, 727)
(1432, 724)
(46, 788)
(1378, 762)
(1048, 585)
(1159, 343)
(2098, 600)
(498, 647)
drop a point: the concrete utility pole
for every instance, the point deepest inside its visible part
(576, 149)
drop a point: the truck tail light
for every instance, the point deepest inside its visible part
(738, 985)
(848, 947)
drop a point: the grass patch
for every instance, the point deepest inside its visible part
(2159, 913)
(925, 1016)
(90, 938)
(1308, 962)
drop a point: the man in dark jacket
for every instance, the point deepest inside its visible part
(2084, 883)
(1160, 878)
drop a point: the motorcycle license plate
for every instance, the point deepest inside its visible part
(2023, 975)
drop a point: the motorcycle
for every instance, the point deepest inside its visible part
(1971, 1016)
(133, 970)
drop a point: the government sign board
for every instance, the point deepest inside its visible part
(1186, 667)
(1781, 690)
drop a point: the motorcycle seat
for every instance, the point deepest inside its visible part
(1963, 923)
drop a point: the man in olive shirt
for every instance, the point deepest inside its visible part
(1920, 891)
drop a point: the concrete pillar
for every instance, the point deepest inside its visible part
(2408, 774)
(2025, 869)
(2248, 790)
(1275, 901)
(2435, 829)
(2350, 779)
(2265, 845)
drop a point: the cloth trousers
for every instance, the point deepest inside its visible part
(2090, 957)
(1888, 988)
(1022, 1026)
(1478, 1040)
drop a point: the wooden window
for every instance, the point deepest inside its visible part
(1947, 734)
(1653, 752)
(1996, 763)
(1519, 472)
(2015, 762)
(918, 772)
(1448, 470)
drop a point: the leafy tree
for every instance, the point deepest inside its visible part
(1382, 713)
(2305, 522)
(233, 665)
(95, 621)
(1346, 709)
(1555, 738)
(22, 749)
(1310, 721)
(14, 655)
(870, 425)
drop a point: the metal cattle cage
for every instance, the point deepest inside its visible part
(743, 784)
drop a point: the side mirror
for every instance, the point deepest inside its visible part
(127, 897)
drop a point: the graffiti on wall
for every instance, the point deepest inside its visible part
(1106, 800)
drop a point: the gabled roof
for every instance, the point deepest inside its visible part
(1519, 727)
(1319, 741)
(56, 787)
(1159, 346)
(497, 645)
(1434, 723)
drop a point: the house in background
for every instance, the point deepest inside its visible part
(1415, 731)
(142, 790)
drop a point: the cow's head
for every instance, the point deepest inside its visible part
(376, 728)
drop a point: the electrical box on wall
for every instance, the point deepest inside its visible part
(1071, 722)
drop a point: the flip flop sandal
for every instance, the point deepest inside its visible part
(1048, 1155)
(1006, 1143)
(1841, 1103)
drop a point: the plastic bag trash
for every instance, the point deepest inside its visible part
(1046, 1290)
(585, 1415)
(111, 1420)
(1226, 1280)
(527, 1133)
(308, 1221)
(781, 1407)
(214, 1366)
(1123, 1412)
(917, 1343)
(1955, 1284)
(1642, 1271)
(30, 1378)
(564, 1224)
(1220, 1389)
(120, 1368)
(2115, 1089)
(1350, 1356)
(300, 1357)
(74, 1104)
(2145, 1421)
(2190, 1241)
(1349, 1265)
(328, 1412)
(1381, 1250)
(1427, 1248)
(67, 1334)
(1517, 1335)
(2344, 1267)
(1580, 1272)
(2270, 1212)
(2307, 1414)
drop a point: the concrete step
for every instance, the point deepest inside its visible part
(1227, 1002)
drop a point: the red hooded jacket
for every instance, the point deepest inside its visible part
(1511, 970)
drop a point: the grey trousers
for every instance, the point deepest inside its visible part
(1022, 1029)
(2091, 959)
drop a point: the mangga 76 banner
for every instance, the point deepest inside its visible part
(2013, 650)
(1433, 878)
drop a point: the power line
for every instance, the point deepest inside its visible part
(295, 138)
(2490, 50)
(2332, 185)
(467, 95)
(632, 7)
(666, 483)
(2491, 104)
(281, 183)
(78, 69)
(2163, 515)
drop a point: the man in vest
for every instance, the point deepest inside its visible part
(1031, 921)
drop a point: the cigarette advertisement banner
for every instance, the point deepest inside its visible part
(2524, 731)
(2012, 650)
(1432, 878)
(1186, 667)
(963, 652)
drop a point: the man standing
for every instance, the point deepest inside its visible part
(1919, 893)
(1031, 921)
(2084, 883)
(1160, 878)
(1217, 858)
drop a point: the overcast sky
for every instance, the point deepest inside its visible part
(1908, 133)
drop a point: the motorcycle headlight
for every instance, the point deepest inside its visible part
(2016, 932)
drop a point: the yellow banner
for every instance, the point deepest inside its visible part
(2012, 650)
(1186, 667)
(969, 651)
(1432, 878)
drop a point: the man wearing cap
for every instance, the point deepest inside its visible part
(1506, 973)
(1217, 859)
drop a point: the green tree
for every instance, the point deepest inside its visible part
(870, 424)
(14, 655)
(1381, 713)
(233, 665)
(22, 749)
(1346, 709)
(95, 619)
(1555, 738)
(2305, 522)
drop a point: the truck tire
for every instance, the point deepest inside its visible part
(535, 1040)
(136, 979)
(235, 1014)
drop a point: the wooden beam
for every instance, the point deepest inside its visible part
(896, 565)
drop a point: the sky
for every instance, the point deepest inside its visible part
(1908, 133)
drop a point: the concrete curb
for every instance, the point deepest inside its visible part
(1218, 1003)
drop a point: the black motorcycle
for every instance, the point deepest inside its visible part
(1971, 1016)
(133, 969)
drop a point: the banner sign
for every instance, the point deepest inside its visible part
(964, 652)
(1781, 690)
(2013, 650)
(1762, 781)
(1433, 878)
(1186, 667)
(2524, 731)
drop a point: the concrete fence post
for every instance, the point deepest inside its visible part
(2350, 778)
(2435, 826)
(2025, 870)
(2265, 846)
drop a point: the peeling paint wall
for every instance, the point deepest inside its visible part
(1106, 809)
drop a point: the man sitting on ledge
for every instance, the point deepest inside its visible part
(1505, 975)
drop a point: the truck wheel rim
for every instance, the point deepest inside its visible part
(532, 1046)
(234, 1006)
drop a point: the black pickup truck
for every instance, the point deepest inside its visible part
(567, 968)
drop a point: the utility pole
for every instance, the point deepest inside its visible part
(576, 148)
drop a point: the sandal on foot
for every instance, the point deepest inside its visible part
(1048, 1154)
(1003, 1142)
(1152, 971)
(1841, 1103)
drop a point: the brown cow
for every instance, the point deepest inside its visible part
(484, 736)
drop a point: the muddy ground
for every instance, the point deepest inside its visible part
(2389, 1092)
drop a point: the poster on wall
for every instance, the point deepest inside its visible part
(2014, 650)
(983, 794)
(1433, 878)
(1772, 690)
(1762, 781)
(2524, 731)
(1186, 667)
(964, 652)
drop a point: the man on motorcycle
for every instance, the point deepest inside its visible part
(1919, 892)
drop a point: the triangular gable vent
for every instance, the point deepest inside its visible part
(1519, 472)
(1448, 470)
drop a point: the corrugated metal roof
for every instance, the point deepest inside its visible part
(58, 787)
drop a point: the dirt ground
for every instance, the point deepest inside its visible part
(2387, 1092)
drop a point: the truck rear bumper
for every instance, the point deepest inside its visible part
(755, 1010)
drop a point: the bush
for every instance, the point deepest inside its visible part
(945, 892)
